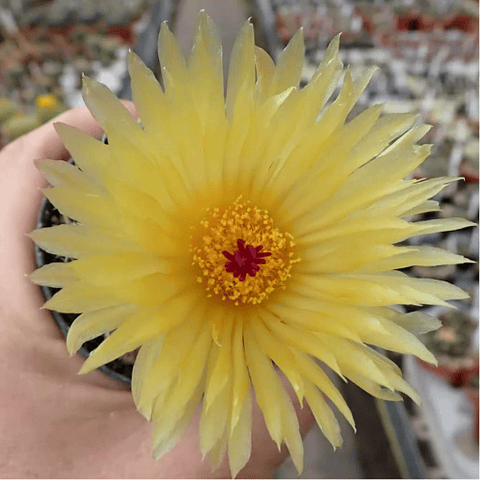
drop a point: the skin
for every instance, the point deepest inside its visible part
(54, 423)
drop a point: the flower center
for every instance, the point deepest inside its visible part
(259, 256)
(245, 260)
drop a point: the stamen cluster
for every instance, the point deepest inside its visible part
(262, 255)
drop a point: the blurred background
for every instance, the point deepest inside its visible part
(427, 51)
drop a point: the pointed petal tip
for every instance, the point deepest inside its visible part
(164, 30)
(86, 368)
(58, 126)
(86, 80)
(131, 56)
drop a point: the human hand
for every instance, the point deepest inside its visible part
(53, 423)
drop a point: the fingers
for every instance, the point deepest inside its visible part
(44, 142)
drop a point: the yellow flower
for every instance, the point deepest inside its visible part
(225, 236)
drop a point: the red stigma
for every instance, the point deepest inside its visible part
(245, 260)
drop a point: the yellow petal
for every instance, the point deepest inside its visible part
(281, 356)
(425, 207)
(295, 203)
(407, 197)
(289, 66)
(349, 291)
(222, 370)
(205, 67)
(439, 225)
(143, 325)
(417, 323)
(54, 275)
(107, 109)
(77, 241)
(314, 321)
(166, 437)
(371, 387)
(280, 416)
(353, 356)
(190, 373)
(320, 379)
(424, 256)
(156, 117)
(397, 339)
(93, 209)
(92, 156)
(213, 420)
(265, 68)
(147, 95)
(240, 438)
(217, 454)
(171, 57)
(108, 270)
(146, 358)
(305, 341)
(385, 172)
(385, 131)
(80, 297)
(152, 290)
(90, 325)
(63, 174)
(241, 73)
(398, 383)
(323, 415)
(139, 204)
(266, 386)
(165, 366)
(351, 227)
(241, 381)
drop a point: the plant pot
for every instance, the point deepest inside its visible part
(456, 373)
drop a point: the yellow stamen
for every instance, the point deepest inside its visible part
(220, 231)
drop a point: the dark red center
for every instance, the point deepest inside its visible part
(245, 261)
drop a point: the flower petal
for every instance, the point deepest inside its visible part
(171, 57)
(319, 378)
(221, 371)
(323, 415)
(162, 370)
(56, 275)
(279, 416)
(78, 297)
(288, 70)
(63, 174)
(167, 436)
(77, 241)
(281, 356)
(90, 325)
(241, 74)
(241, 380)
(169, 406)
(240, 438)
(105, 270)
(109, 111)
(145, 324)
(91, 155)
